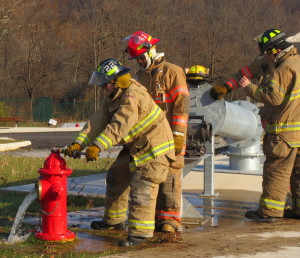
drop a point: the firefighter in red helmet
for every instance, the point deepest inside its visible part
(166, 82)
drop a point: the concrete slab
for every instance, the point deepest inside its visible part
(224, 178)
(195, 180)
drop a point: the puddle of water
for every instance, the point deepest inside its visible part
(222, 210)
(89, 242)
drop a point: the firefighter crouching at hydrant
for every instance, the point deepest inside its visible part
(128, 116)
(167, 86)
(282, 139)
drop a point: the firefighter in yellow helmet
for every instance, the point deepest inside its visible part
(282, 139)
(128, 116)
(197, 75)
(166, 82)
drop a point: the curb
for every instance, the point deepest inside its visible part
(14, 145)
(38, 129)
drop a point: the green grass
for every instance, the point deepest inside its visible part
(17, 170)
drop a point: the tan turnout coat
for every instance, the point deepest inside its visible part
(133, 119)
(282, 93)
(168, 88)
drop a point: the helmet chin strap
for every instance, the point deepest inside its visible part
(148, 60)
(150, 57)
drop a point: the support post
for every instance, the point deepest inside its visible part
(209, 168)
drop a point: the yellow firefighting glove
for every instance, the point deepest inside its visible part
(72, 150)
(219, 91)
(92, 153)
(179, 143)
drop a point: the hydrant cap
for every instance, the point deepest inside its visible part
(55, 164)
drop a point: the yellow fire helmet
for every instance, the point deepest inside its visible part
(197, 72)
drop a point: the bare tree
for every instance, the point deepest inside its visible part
(49, 48)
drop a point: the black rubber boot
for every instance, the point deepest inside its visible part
(289, 214)
(99, 224)
(130, 241)
(257, 217)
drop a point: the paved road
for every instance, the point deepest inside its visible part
(44, 140)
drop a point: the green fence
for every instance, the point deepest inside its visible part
(42, 109)
(78, 111)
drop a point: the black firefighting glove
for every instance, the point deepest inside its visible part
(73, 150)
(92, 153)
(179, 143)
(219, 91)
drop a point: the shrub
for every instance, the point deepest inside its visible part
(4, 110)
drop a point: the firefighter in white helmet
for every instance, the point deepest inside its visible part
(128, 116)
(168, 87)
(282, 139)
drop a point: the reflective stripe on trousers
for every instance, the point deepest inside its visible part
(116, 213)
(163, 215)
(272, 204)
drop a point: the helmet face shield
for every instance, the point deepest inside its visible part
(98, 79)
(107, 71)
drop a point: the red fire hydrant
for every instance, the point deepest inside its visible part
(52, 193)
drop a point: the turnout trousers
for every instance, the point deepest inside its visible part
(169, 200)
(281, 173)
(140, 187)
(168, 209)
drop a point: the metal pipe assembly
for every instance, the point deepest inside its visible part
(238, 123)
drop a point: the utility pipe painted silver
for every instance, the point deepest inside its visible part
(238, 123)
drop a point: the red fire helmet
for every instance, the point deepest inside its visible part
(139, 43)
